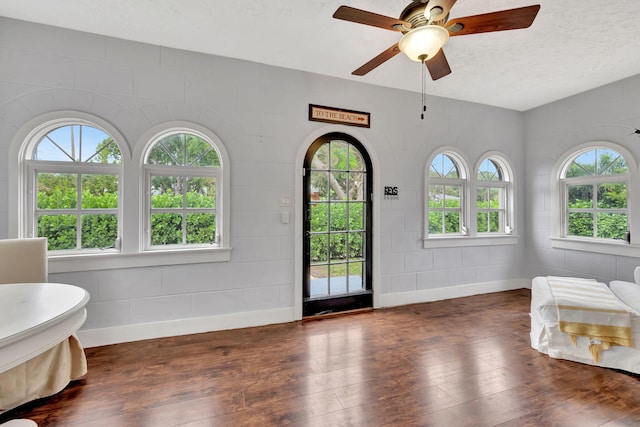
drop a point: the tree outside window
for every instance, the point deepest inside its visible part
(75, 171)
(595, 186)
(182, 177)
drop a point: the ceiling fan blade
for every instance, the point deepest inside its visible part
(378, 60)
(444, 8)
(511, 19)
(438, 66)
(369, 18)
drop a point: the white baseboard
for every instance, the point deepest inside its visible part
(437, 294)
(144, 331)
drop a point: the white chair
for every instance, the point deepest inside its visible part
(25, 261)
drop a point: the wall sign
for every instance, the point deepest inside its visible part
(319, 113)
(391, 193)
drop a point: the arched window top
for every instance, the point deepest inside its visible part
(490, 170)
(595, 162)
(184, 149)
(446, 165)
(77, 143)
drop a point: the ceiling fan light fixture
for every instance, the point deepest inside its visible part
(423, 43)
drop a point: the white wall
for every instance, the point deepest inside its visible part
(609, 113)
(260, 114)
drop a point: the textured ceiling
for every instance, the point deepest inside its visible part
(572, 46)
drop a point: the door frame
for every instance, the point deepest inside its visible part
(299, 206)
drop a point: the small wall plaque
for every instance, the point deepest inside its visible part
(391, 193)
(319, 113)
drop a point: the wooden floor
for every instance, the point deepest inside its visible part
(463, 362)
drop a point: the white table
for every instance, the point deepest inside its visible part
(34, 317)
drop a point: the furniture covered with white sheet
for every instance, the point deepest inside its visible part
(39, 353)
(546, 336)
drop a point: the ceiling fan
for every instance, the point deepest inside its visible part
(426, 27)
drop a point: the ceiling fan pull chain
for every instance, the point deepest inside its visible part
(424, 89)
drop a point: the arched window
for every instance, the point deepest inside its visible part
(183, 178)
(446, 186)
(73, 177)
(494, 196)
(593, 191)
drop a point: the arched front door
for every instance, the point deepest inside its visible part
(337, 226)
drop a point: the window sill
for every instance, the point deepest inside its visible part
(468, 241)
(105, 261)
(610, 248)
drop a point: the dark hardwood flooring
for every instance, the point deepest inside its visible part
(462, 362)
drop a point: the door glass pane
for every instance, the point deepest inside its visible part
(356, 216)
(338, 279)
(319, 281)
(338, 185)
(356, 245)
(321, 158)
(356, 276)
(338, 216)
(319, 185)
(319, 248)
(356, 186)
(338, 246)
(319, 217)
(356, 162)
(338, 155)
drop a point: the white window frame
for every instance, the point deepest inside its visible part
(131, 252)
(507, 226)
(468, 236)
(220, 249)
(28, 168)
(560, 239)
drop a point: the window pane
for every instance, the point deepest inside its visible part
(319, 185)
(60, 231)
(494, 222)
(201, 227)
(482, 201)
(436, 222)
(319, 217)
(201, 192)
(166, 191)
(319, 248)
(610, 162)
(489, 171)
(78, 143)
(612, 225)
(356, 245)
(169, 151)
(338, 217)
(581, 224)
(338, 246)
(436, 196)
(583, 165)
(442, 166)
(452, 196)
(99, 231)
(166, 229)
(612, 196)
(482, 222)
(200, 152)
(580, 196)
(452, 222)
(356, 216)
(57, 191)
(99, 191)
